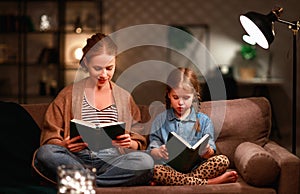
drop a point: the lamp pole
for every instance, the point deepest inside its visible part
(294, 26)
(295, 29)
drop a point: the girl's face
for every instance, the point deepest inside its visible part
(101, 69)
(181, 101)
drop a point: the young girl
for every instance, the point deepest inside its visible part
(183, 117)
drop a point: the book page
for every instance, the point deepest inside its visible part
(85, 123)
(181, 139)
(110, 124)
(202, 143)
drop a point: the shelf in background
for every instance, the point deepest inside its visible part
(260, 81)
(27, 29)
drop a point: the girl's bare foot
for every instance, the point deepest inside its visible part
(227, 177)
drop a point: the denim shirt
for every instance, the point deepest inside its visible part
(167, 122)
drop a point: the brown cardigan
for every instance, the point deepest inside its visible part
(67, 105)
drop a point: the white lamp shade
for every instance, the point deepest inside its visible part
(259, 27)
(254, 32)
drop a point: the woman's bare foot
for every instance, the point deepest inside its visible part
(227, 177)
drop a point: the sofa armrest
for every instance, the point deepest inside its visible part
(290, 168)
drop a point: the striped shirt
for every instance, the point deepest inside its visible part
(96, 116)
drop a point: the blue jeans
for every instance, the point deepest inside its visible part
(113, 168)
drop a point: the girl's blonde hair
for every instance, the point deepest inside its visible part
(185, 78)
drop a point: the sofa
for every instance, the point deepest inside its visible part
(242, 128)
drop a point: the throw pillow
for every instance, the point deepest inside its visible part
(255, 164)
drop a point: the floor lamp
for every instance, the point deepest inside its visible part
(260, 28)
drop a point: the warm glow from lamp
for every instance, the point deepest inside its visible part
(78, 30)
(254, 32)
(78, 25)
(78, 53)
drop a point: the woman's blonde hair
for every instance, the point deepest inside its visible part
(97, 44)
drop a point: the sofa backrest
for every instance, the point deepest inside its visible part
(235, 121)
(247, 119)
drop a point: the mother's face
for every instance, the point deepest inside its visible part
(101, 68)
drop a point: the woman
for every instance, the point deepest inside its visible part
(98, 100)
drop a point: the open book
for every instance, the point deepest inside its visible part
(97, 136)
(182, 156)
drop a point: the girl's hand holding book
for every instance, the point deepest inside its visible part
(207, 153)
(160, 153)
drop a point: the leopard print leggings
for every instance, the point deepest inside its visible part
(211, 168)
